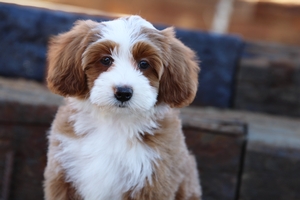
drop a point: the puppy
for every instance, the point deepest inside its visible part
(118, 137)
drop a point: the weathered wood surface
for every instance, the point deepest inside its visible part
(6, 163)
(268, 79)
(265, 169)
(272, 154)
(24, 101)
(26, 112)
(218, 146)
(218, 158)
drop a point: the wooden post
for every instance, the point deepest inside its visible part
(222, 16)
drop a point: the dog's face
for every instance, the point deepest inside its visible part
(122, 64)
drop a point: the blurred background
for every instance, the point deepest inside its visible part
(267, 20)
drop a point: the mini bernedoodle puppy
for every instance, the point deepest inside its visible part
(118, 136)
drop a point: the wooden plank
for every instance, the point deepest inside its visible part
(269, 79)
(23, 101)
(272, 154)
(29, 146)
(6, 164)
(218, 145)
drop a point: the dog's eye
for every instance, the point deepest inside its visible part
(106, 61)
(143, 64)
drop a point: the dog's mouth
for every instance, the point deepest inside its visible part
(122, 105)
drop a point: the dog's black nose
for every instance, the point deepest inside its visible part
(123, 93)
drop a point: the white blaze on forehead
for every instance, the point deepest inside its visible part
(125, 30)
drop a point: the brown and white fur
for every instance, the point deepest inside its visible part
(118, 136)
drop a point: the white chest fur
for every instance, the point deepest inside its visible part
(106, 161)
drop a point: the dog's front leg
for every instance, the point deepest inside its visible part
(55, 185)
(56, 188)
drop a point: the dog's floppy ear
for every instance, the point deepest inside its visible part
(179, 81)
(65, 75)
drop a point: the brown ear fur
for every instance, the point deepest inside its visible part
(179, 82)
(65, 75)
